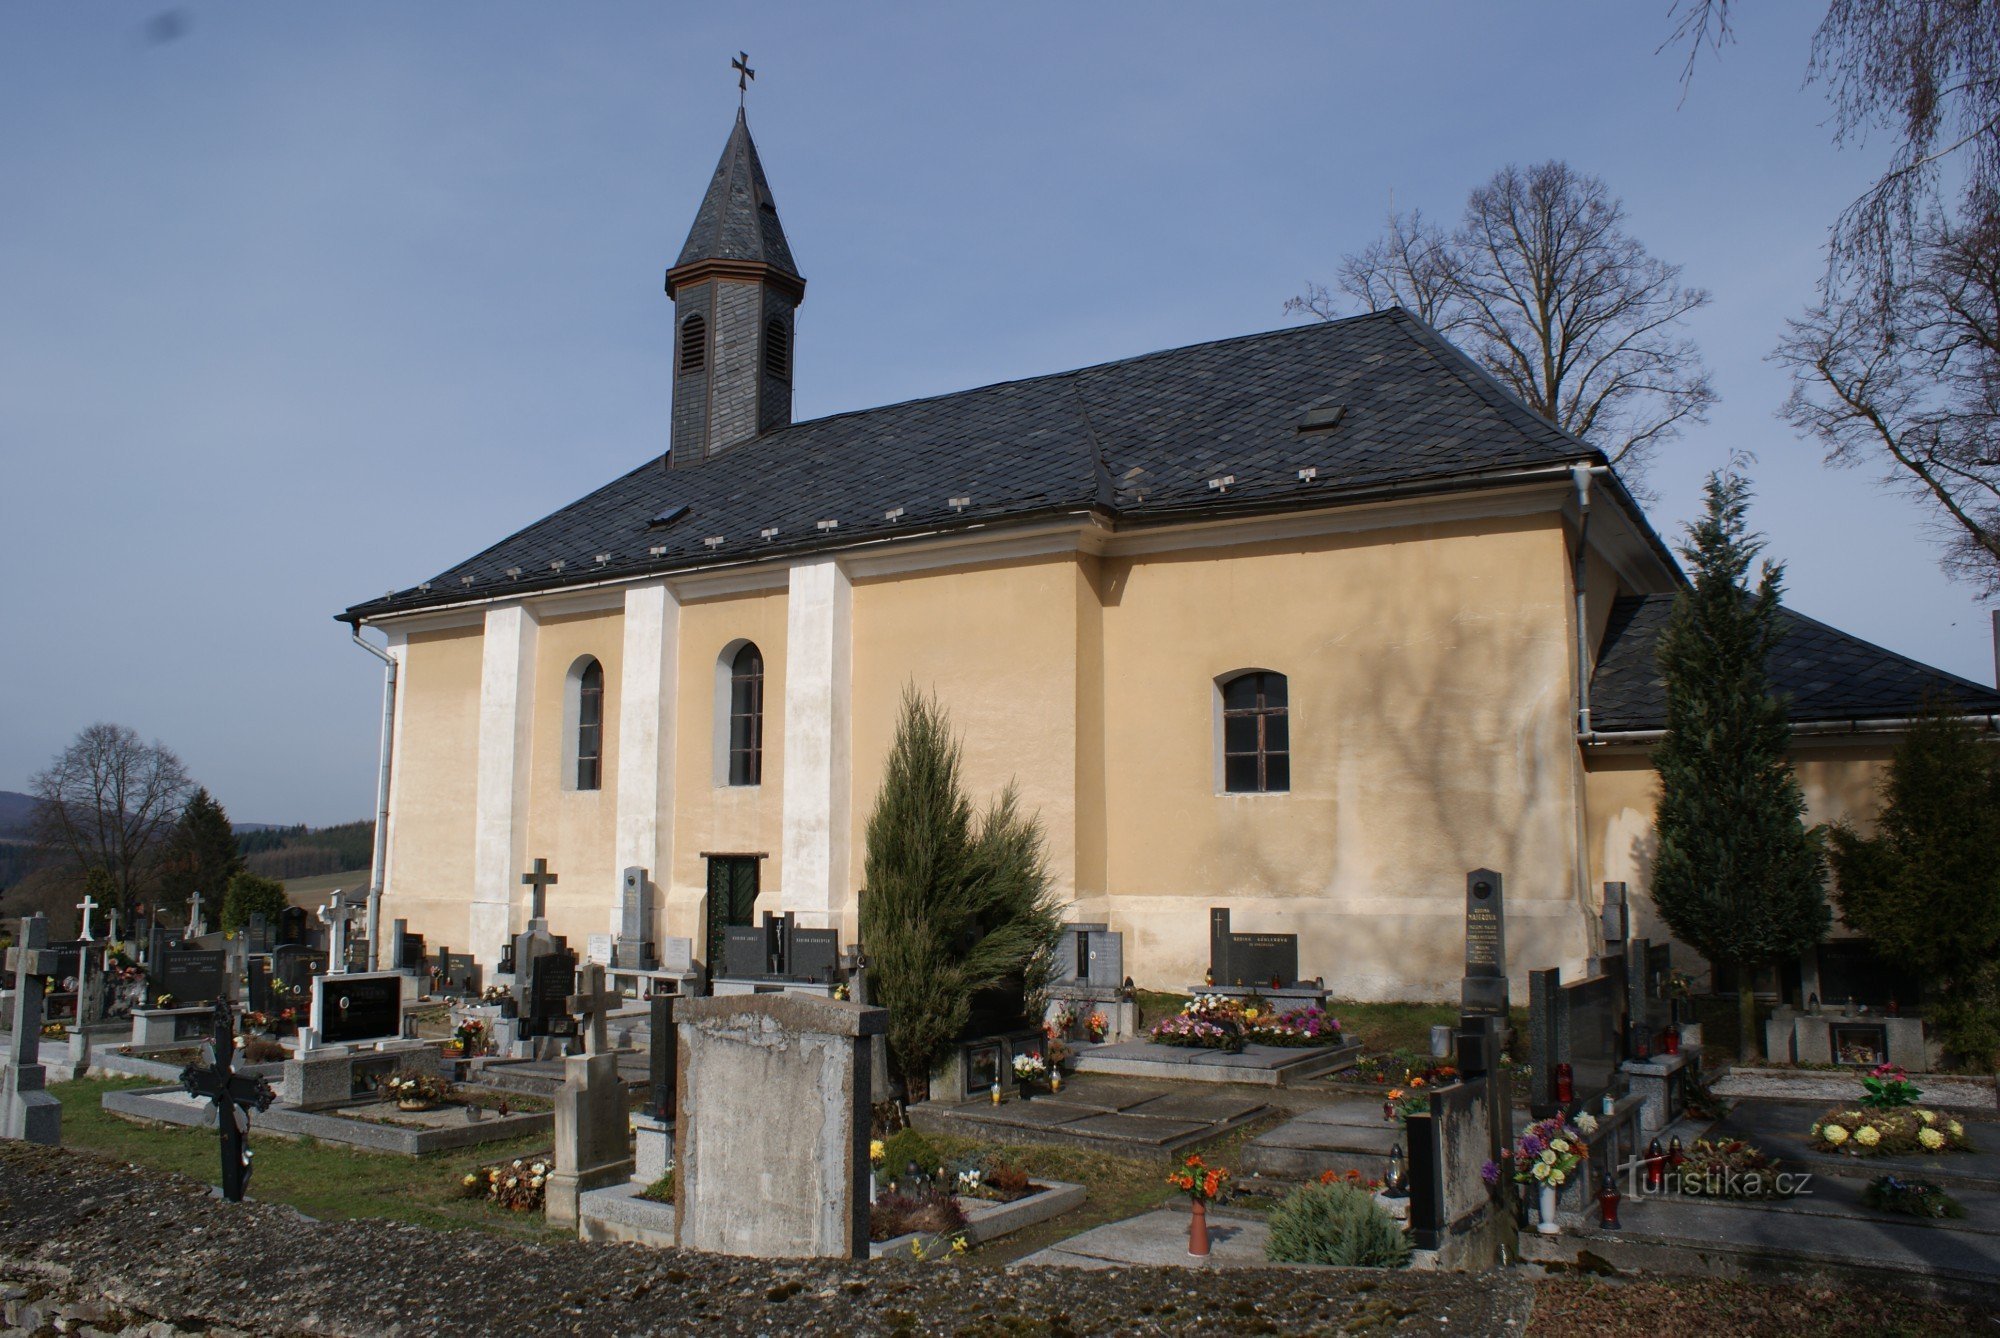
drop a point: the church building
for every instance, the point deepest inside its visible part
(1304, 624)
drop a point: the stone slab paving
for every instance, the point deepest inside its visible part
(1779, 1128)
(1844, 1086)
(413, 1134)
(1115, 1115)
(1263, 1065)
(1156, 1239)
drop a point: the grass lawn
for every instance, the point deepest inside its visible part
(319, 1180)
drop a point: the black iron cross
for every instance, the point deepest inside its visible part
(744, 74)
(231, 1092)
(541, 880)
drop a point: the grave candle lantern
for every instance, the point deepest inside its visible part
(1656, 1165)
(1565, 1085)
(1607, 1200)
(1609, 1104)
(996, 1093)
(1675, 1154)
(1392, 1184)
(1670, 1041)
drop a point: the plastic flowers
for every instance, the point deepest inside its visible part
(1897, 1130)
(1889, 1087)
(1030, 1068)
(1198, 1180)
(1548, 1153)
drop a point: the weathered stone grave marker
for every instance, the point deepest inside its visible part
(26, 1110)
(591, 1148)
(772, 1133)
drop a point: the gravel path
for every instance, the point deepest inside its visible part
(126, 1250)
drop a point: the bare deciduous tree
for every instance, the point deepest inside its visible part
(108, 801)
(1926, 70)
(1542, 284)
(1913, 386)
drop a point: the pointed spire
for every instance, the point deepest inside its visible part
(737, 224)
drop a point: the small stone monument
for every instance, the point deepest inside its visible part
(773, 1126)
(591, 1146)
(27, 1111)
(1484, 989)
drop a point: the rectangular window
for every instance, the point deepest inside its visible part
(1256, 735)
(590, 730)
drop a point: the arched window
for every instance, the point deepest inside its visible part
(1256, 734)
(694, 343)
(778, 351)
(590, 728)
(746, 716)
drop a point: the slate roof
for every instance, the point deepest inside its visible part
(1827, 674)
(1132, 440)
(738, 218)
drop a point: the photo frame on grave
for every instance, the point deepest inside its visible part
(983, 1067)
(358, 1008)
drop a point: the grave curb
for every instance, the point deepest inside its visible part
(989, 1220)
(138, 1104)
(1310, 1062)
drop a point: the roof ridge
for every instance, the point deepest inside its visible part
(1480, 381)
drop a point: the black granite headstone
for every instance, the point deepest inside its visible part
(1249, 959)
(1484, 991)
(815, 955)
(746, 952)
(294, 926)
(191, 975)
(410, 952)
(458, 973)
(360, 1008)
(551, 982)
(663, 1056)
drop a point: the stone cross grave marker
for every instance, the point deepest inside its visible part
(26, 1110)
(197, 925)
(234, 1095)
(338, 917)
(87, 905)
(1484, 991)
(591, 1124)
(541, 880)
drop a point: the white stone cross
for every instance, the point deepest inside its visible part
(196, 925)
(591, 1002)
(338, 917)
(87, 905)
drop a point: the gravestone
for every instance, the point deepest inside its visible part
(192, 975)
(652, 1128)
(1615, 921)
(294, 927)
(590, 1133)
(458, 974)
(294, 967)
(338, 915)
(746, 952)
(1091, 954)
(1484, 990)
(1252, 960)
(26, 1110)
(772, 1134)
(1581, 1025)
(357, 1008)
(410, 954)
(258, 939)
(633, 951)
(814, 956)
(551, 982)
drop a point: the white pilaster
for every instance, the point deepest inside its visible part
(399, 650)
(819, 653)
(506, 747)
(646, 720)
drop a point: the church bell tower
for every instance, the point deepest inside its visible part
(735, 291)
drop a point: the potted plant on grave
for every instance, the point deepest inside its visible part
(1031, 1072)
(1546, 1156)
(470, 1038)
(1203, 1184)
(1097, 1028)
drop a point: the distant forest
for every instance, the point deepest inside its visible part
(303, 852)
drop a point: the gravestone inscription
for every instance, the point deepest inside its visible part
(192, 975)
(1484, 991)
(1250, 959)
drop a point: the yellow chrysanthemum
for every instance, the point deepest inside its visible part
(1867, 1135)
(1835, 1134)
(1930, 1138)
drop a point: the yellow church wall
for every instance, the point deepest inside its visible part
(706, 815)
(997, 645)
(437, 752)
(1430, 694)
(575, 830)
(1841, 782)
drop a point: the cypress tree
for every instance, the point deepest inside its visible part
(248, 895)
(1926, 888)
(951, 905)
(1738, 875)
(202, 854)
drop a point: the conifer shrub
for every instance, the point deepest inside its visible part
(952, 906)
(1335, 1223)
(250, 895)
(906, 1146)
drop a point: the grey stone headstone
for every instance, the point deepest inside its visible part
(634, 910)
(815, 954)
(1105, 959)
(1616, 918)
(745, 952)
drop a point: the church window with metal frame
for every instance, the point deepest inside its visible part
(746, 716)
(1256, 734)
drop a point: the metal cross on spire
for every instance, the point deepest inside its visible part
(744, 74)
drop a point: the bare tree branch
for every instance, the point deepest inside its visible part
(108, 801)
(1542, 285)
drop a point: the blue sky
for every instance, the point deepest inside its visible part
(313, 301)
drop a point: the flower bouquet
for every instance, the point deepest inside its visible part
(1547, 1156)
(1031, 1070)
(518, 1187)
(1306, 1026)
(470, 1037)
(1888, 1087)
(1097, 1027)
(1912, 1198)
(1207, 1022)
(1203, 1184)
(1729, 1168)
